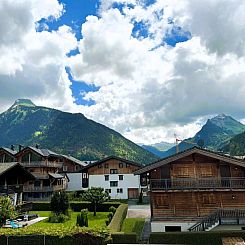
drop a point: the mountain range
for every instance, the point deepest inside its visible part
(25, 123)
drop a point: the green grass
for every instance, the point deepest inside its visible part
(97, 221)
(133, 225)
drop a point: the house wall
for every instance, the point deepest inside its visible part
(129, 181)
(157, 226)
(75, 183)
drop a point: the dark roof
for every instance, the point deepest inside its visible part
(73, 159)
(8, 150)
(6, 166)
(42, 152)
(109, 158)
(56, 176)
(188, 152)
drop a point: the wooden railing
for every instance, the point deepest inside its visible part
(217, 216)
(43, 188)
(197, 183)
(42, 164)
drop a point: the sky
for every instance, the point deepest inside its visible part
(147, 68)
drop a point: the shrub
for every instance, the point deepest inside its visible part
(58, 218)
(112, 210)
(41, 206)
(82, 218)
(59, 203)
(7, 210)
(124, 238)
(118, 218)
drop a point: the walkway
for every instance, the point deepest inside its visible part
(233, 241)
(139, 211)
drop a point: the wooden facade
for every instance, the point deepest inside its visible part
(193, 184)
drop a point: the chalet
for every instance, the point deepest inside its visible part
(12, 179)
(195, 190)
(115, 175)
(45, 166)
(7, 154)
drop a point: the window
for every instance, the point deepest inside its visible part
(119, 190)
(127, 165)
(106, 177)
(106, 165)
(108, 190)
(99, 166)
(113, 171)
(172, 228)
(76, 168)
(120, 177)
(64, 168)
(121, 165)
(113, 183)
(209, 199)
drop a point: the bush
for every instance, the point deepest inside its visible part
(7, 209)
(82, 218)
(123, 238)
(59, 203)
(118, 218)
(200, 238)
(76, 206)
(58, 218)
(112, 210)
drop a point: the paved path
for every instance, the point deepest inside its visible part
(139, 211)
(233, 241)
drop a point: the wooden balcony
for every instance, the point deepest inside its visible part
(43, 188)
(42, 164)
(197, 184)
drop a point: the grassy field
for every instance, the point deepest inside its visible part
(98, 220)
(133, 225)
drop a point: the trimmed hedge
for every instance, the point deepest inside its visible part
(200, 238)
(124, 238)
(118, 218)
(77, 206)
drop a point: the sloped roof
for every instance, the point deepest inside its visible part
(75, 160)
(8, 150)
(109, 158)
(42, 152)
(6, 166)
(56, 176)
(188, 152)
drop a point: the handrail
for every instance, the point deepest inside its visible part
(197, 183)
(215, 217)
(42, 164)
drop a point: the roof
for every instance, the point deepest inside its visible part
(188, 152)
(109, 158)
(42, 152)
(75, 160)
(6, 166)
(56, 176)
(10, 151)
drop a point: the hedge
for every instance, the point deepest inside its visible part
(118, 218)
(124, 238)
(77, 206)
(200, 238)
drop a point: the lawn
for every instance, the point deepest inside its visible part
(133, 225)
(97, 221)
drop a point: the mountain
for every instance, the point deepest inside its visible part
(27, 124)
(158, 148)
(215, 134)
(236, 145)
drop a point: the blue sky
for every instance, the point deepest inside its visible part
(75, 15)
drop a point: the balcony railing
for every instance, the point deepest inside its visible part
(198, 183)
(43, 188)
(42, 164)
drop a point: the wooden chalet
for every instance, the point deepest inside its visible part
(7, 154)
(45, 165)
(115, 175)
(12, 179)
(192, 188)
(71, 164)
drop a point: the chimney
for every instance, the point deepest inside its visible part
(12, 147)
(20, 148)
(37, 146)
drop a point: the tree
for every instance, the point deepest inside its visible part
(95, 195)
(59, 203)
(7, 210)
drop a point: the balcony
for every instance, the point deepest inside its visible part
(197, 184)
(43, 188)
(42, 164)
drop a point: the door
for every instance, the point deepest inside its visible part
(225, 174)
(133, 193)
(165, 177)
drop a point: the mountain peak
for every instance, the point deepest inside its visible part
(23, 102)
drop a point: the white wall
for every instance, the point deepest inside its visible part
(129, 181)
(75, 183)
(160, 226)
